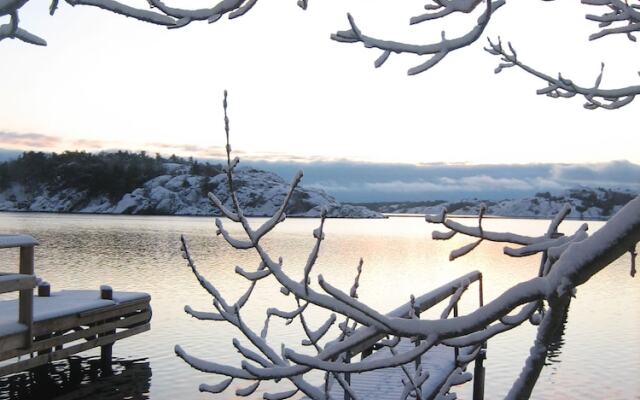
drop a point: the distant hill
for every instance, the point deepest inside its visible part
(135, 183)
(587, 203)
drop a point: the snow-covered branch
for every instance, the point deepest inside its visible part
(12, 30)
(566, 262)
(619, 17)
(437, 50)
(595, 97)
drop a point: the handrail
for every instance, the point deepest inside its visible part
(15, 282)
(421, 304)
(9, 241)
(24, 281)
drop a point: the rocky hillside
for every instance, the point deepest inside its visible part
(586, 203)
(178, 192)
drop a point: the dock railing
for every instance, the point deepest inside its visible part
(452, 290)
(54, 326)
(24, 281)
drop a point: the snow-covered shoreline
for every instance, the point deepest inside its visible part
(260, 193)
(586, 204)
(178, 191)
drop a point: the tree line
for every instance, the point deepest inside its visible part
(112, 174)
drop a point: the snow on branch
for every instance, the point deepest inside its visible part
(159, 14)
(620, 17)
(12, 31)
(538, 247)
(437, 50)
(596, 97)
(128, 11)
(442, 8)
(456, 227)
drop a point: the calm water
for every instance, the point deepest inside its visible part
(597, 357)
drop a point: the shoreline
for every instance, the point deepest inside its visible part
(385, 215)
(170, 215)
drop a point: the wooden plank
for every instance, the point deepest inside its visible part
(60, 354)
(383, 384)
(26, 260)
(25, 313)
(83, 319)
(40, 345)
(8, 241)
(117, 306)
(15, 282)
(12, 342)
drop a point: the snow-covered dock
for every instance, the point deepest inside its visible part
(55, 325)
(387, 383)
(440, 367)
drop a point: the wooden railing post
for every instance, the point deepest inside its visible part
(478, 376)
(419, 359)
(456, 351)
(479, 370)
(106, 351)
(25, 315)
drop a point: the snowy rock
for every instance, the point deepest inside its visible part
(259, 192)
(586, 203)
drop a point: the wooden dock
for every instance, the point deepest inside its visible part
(387, 383)
(36, 330)
(446, 365)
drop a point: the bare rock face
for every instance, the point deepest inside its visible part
(259, 192)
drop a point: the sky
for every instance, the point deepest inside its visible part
(295, 96)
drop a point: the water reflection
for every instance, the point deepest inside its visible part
(137, 253)
(555, 347)
(79, 378)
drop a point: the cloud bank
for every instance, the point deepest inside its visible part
(28, 140)
(364, 182)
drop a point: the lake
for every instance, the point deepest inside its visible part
(597, 356)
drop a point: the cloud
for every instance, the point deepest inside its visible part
(30, 140)
(352, 181)
(189, 149)
(606, 174)
(476, 183)
(27, 141)
(90, 144)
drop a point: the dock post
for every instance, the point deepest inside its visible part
(106, 351)
(478, 375)
(26, 296)
(456, 350)
(44, 290)
(419, 359)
